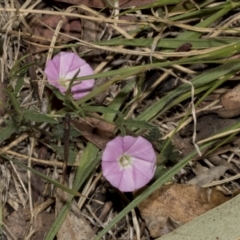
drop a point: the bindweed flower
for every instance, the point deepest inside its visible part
(63, 67)
(128, 163)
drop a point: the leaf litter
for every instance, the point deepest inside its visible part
(32, 207)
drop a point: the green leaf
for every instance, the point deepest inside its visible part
(169, 152)
(118, 101)
(153, 135)
(56, 92)
(16, 105)
(170, 43)
(33, 116)
(199, 81)
(58, 131)
(20, 81)
(7, 131)
(60, 151)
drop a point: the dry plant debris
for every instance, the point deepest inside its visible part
(165, 70)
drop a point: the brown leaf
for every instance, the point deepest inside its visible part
(45, 26)
(42, 224)
(95, 130)
(178, 202)
(103, 127)
(102, 3)
(231, 100)
(16, 223)
(75, 226)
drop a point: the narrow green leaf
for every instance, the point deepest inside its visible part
(119, 100)
(155, 4)
(60, 151)
(33, 116)
(15, 103)
(199, 81)
(170, 43)
(7, 131)
(56, 92)
(58, 131)
(20, 81)
(207, 22)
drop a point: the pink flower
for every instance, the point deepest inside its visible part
(128, 163)
(63, 67)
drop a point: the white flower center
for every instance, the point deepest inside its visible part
(125, 160)
(63, 82)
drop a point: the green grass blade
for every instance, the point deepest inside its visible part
(118, 101)
(170, 43)
(199, 81)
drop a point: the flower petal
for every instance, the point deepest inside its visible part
(64, 66)
(142, 149)
(68, 62)
(142, 179)
(143, 172)
(141, 168)
(51, 71)
(128, 181)
(110, 168)
(113, 150)
(122, 180)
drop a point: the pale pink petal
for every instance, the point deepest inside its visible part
(147, 155)
(142, 149)
(144, 168)
(51, 71)
(128, 141)
(69, 62)
(128, 182)
(140, 170)
(85, 70)
(113, 150)
(110, 168)
(64, 66)
(141, 179)
(122, 180)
